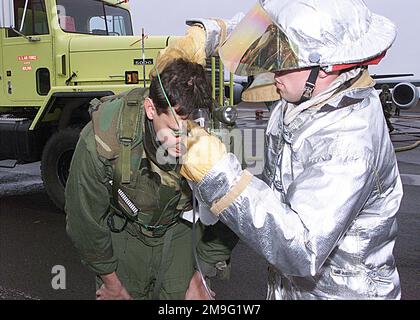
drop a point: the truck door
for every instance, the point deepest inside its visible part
(27, 62)
(2, 96)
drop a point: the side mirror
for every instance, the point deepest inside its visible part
(7, 14)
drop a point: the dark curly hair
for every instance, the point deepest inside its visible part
(186, 85)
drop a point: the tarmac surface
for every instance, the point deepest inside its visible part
(33, 239)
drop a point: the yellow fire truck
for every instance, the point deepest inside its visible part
(55, 57)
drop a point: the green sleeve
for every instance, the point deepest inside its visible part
(215, 248)
(87, 205)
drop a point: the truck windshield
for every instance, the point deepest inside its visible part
(93, 17)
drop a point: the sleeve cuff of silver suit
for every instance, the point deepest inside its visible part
(223, 183)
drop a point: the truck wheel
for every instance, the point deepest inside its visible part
(55, 163)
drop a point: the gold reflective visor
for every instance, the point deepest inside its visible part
(257, 45)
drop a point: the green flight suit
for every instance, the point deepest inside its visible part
(135, 256)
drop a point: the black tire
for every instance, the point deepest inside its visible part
(55, 163)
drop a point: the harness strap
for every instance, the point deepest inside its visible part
(129, 133)
(130, 123)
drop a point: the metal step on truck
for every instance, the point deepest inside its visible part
(55, 57)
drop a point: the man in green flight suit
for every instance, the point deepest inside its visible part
(387, 105)
(124, 204)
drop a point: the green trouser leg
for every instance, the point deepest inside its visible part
(139, 263)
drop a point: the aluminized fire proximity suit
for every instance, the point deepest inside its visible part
(324, 214)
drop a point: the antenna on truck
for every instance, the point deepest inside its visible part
(143, 37)
(143, 57)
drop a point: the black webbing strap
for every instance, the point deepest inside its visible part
(310, 84)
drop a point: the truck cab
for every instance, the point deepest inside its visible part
(58, 55)
(55, 57)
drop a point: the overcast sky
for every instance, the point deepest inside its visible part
(166, 17)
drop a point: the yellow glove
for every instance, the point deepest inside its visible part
(190, 47)
(203, 152)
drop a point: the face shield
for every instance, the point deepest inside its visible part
(257, 46)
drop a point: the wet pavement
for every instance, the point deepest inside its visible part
(33, 239)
